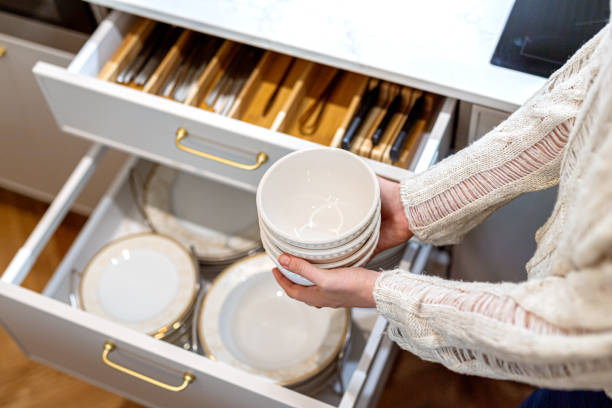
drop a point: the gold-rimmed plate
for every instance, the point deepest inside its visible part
(147, 282)
(217, 220)
(248, 321)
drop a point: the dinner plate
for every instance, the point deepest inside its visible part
(248, 321)
(147, 282)
(217, 220)
(387, 259)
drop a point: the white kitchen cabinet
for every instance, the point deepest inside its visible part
(35, 156)
(482, 120)
(49, 330)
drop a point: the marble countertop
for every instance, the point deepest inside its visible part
(442, 46)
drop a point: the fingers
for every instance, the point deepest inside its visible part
(302, 268)
(306, 294)
(291, 289)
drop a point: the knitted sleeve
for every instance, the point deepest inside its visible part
(554, 330)
(507, 331)
(522, 154)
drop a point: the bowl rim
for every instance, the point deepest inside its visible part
(355, 243)
(327, 242)
(354, 259)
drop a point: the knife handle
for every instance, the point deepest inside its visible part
(391, 110)
(415, 114)
(351, 132)
(369, 99)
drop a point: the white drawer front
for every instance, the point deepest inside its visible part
(72, 341)
(146, 125)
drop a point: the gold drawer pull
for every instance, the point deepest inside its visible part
(187, 377)
(181, 134)
(2, 51)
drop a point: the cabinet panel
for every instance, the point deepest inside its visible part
(35, 156)
(483, 120)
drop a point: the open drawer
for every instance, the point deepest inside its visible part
(229, 148)
(51, 331)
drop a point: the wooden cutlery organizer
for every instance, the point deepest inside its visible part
(300, 98)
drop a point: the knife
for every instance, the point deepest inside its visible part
(391, 110)
(134, 67)
(240, 78)
(175, 81)
(367, 102)
(415, 114)
(222, 84)
(156, 58)
(197, 66)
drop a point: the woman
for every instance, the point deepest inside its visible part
(555, 329)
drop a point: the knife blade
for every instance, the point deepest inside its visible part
(134, 67)
(156, 58)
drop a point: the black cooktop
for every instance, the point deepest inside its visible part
(540, 35)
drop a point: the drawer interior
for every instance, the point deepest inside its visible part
(119, 215)
(300, 98)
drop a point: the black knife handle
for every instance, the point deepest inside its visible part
(350, 132)
(369, 99)
(415, 114)
(391, 110)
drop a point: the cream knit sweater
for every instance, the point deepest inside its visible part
(555, 329)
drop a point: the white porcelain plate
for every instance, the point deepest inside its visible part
(145, 281)
(249, 322)
(218, 220)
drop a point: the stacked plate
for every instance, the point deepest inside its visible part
(147, 282)
(247, 321)
(216, 221)
(388, 259)
(322, 205)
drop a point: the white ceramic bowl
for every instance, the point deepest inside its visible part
(318, 198)
(325, 255)
(274, 253)
(359, 258)
(350, 260)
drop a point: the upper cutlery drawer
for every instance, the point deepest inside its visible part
(228, 111)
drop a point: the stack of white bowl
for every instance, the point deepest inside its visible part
(322, 205)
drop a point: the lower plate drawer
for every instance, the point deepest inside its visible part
(50, 330)
(229, 148)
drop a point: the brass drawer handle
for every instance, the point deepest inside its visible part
(109, 347)
(181, 134)
(2, 51)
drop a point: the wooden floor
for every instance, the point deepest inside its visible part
(23, 383)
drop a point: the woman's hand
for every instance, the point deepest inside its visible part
(342, 287)
(394, 228)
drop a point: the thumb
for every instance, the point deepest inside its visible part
(301, 267)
